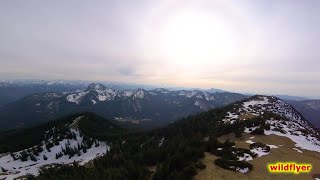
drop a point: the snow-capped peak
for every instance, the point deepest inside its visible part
(214, 90)
(139, 93)
(189, 94)
(162, 90)
(96, 91)
(96, 86)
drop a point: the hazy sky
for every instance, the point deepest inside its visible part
(257, 46)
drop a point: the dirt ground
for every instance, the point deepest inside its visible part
(284, 153)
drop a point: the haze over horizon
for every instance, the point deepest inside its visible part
(267, 47)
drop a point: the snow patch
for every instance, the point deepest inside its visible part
(107, 94)
(127, 93)
(244, 170)
(245, 157)
(247, 130)
(273, 146)
(76, 98)
(93, 101)
(17, 168)
(161, 142)
(306, 142)
(139, 94)
(298, 150)
(255, 102)
(259, 151)
(249, 142)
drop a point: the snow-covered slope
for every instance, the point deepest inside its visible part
(77, 97)
(289, 123)
(74, 147)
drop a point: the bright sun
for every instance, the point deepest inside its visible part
(195, 38)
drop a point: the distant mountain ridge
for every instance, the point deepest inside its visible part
(12, 90)
(310, 109)
(158, 105)
(295, 98)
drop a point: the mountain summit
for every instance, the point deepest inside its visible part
(96, 86)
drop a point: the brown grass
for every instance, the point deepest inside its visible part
(246, 116)
(284, 153)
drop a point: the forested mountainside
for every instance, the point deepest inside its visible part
(13, 90)
(310, 109)
(137, 106)
(172, 152)
(73, 138)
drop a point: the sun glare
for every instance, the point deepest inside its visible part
(195, 38)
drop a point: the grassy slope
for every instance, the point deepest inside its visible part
(284, 153)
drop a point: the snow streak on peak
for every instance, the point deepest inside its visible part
(139, 93)
(126, 93)
(190, 94)
(77, 97)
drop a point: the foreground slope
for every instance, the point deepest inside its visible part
(64, 141)
(285, 152)
(287, 137)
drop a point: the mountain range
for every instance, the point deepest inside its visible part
(139, 105)
(18, 96)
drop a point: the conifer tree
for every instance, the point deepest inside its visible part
(24, 156)
(79, 146)
(32, 157)
(3, 169)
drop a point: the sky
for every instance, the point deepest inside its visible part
(256, 46)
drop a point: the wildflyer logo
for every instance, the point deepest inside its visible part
(289, 167)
